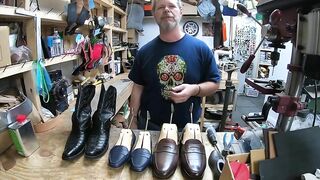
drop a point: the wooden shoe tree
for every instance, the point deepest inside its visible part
(144, 141)
(169, 131)
(191, 131)
(125, 138)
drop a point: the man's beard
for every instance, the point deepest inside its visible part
(169, 25)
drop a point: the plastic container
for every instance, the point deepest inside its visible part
(22, 136)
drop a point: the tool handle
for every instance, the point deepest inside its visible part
(243, 9)
(245, 66)
(211, 134)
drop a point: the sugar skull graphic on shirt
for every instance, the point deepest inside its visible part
(171, 71)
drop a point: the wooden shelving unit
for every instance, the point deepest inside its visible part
(55, 17)
(24, 67)
(106, 7)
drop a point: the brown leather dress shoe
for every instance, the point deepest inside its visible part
(193, 158)
(165, 158)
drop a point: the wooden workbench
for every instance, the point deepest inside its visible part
(46, 162)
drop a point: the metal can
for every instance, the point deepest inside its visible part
(23, 137)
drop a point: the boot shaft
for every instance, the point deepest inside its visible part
(107, 102)
(106, 107)
(82, 114)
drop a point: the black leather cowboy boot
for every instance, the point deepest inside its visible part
(81, 122)
(98, 140)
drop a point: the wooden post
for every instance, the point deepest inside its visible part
(203, 106)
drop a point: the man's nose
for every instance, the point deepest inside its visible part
(166, 9)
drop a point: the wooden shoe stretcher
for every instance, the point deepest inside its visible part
(169, 130)
(144, 139)
(191, 130)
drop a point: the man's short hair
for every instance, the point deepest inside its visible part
(153, 3)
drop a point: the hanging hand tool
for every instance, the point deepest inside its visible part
(227, 144)
(264, 31)
(245, 11)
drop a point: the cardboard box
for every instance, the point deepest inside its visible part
(188, 9)
(226, 173)
(5, 57)
(252, 159)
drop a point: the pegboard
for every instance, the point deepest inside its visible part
(245, 42)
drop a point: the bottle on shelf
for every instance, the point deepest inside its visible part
(57, 44)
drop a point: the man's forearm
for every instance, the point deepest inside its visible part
(135, 98)
(135, 104)
(206, 89)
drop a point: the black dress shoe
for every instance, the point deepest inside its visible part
(140, 159)
(119, 154)
(216, 162)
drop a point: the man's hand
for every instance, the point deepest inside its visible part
(183, 92)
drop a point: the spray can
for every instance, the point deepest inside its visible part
(22, 135)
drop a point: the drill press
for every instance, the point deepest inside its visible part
(297, 21)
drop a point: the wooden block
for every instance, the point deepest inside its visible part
(272, 150)
(214, 107)
(5, 57)
(256, 156)
(8, 99)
